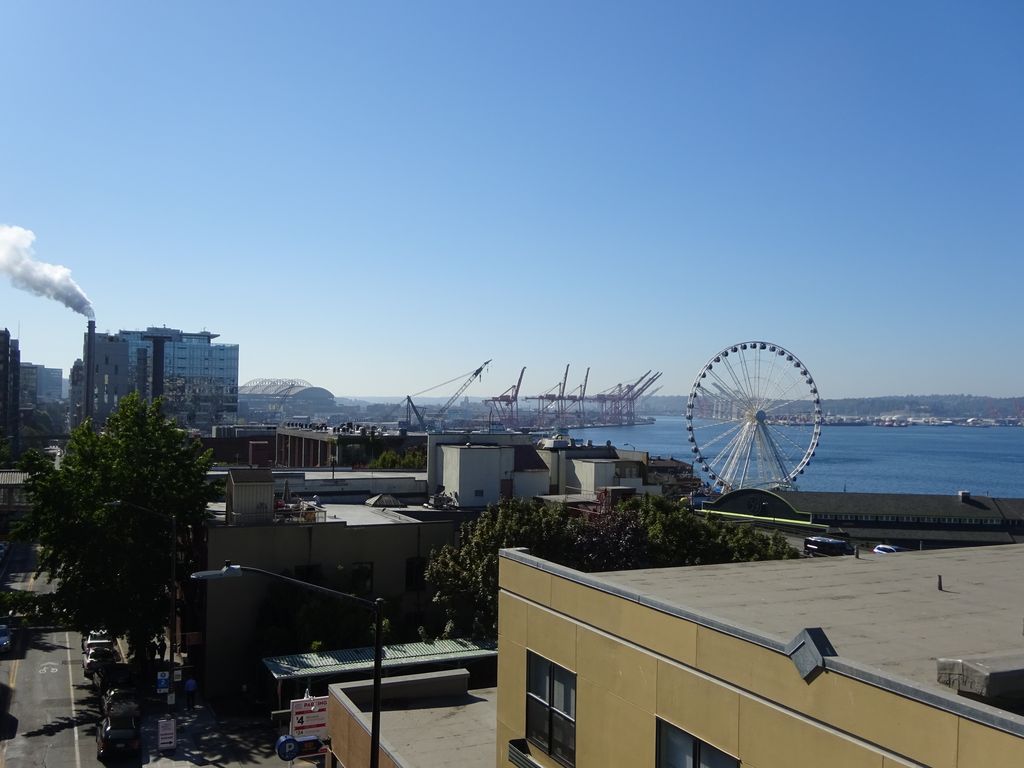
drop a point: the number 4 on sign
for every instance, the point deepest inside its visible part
(300, 719)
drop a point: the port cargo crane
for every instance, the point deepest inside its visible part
(506, 405)
(458, 393)
(425, 421)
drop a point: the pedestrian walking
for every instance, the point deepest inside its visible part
(161, 648)
(151, 648)
(190, 692)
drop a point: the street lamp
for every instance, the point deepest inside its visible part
(174, 558)
(376, 607)
(630, 445)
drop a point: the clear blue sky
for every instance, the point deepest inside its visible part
(377, 197)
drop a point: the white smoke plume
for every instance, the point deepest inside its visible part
(17, 261)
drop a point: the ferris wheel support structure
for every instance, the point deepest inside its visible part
(753, 417)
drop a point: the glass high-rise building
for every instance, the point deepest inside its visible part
(197, 379)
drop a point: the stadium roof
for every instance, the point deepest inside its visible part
(281, 388)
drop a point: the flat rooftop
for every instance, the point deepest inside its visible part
(885, 611)
(351, 514)
(326, 475)
(443, 731)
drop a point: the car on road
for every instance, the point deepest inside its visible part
(888, 549)
(120, 701)
(114, 675)
(117, 735)
(96, 657)
(824, 546)
(5, 638)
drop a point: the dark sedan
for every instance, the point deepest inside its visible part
(117, 735)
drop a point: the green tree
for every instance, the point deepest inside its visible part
(391, 459)
(646, 532)
(466, 575)
(108, 557)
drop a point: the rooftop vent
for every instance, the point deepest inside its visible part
(990, 677)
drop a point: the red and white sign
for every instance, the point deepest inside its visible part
(309, 717)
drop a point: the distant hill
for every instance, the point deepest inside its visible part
(938, 406)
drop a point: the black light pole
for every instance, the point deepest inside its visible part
(376, 607)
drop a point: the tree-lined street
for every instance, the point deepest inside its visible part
(50, 707)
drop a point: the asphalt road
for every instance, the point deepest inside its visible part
(49, 707)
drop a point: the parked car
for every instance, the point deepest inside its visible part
(96, 637)
(823, 546)
(120, 702)
(117, 735)
(888, 549)
(97, 656)
(114, 675)
(5, 638)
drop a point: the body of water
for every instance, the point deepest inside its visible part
(936, 460)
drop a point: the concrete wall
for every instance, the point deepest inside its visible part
(473, 474)
(635, 664)
(232, 604)
(435, 442)
(588, 475)
(526, 485)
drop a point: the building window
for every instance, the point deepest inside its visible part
(678, 749)
(551, 708)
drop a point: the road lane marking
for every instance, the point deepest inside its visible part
(71, 690)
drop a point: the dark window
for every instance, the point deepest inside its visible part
(678, 749)
(362, 578)
(551, 708)
(415, 573)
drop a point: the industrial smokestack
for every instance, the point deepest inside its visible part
(17, 261)
(89, 396)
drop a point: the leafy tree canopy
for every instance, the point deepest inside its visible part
(392, 460)
(102, 519)
(648, 532)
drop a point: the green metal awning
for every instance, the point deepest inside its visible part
(352, 660)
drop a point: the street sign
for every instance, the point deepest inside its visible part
(163, 682)
(288, 747)
(309, 717)
(166, 734)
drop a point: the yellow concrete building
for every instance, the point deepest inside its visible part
(815, 662)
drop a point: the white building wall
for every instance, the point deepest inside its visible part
(526, 485)
(473, 474)
(589, 475)
(436, 442)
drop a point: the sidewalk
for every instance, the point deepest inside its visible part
(205, 739)
(236, 739)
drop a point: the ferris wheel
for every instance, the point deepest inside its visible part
(753, 417)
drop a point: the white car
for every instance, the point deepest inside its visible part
(97, 638)
(888, 549)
